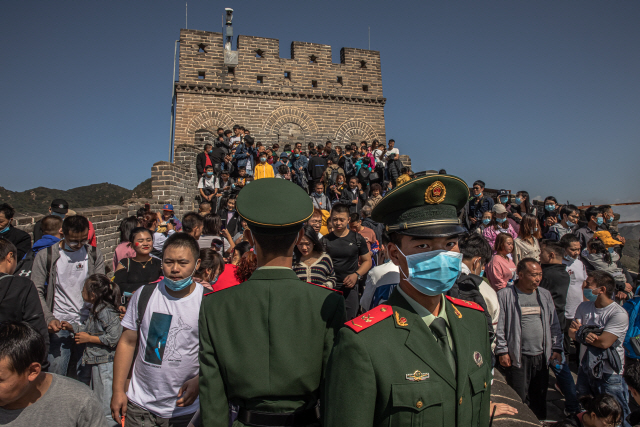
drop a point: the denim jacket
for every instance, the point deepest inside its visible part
(105, 324)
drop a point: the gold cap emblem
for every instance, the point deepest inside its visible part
(435, 193)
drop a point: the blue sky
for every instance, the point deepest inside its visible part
(541, 96)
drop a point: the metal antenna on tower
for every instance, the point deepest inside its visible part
(185, 15)
(369, 38)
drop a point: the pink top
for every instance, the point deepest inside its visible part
(123, 250)
(499, 271)
(490, 234)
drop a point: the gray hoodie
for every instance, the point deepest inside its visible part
(40, 279)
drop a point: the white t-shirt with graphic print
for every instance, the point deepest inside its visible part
(167, 352)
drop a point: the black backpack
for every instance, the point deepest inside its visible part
(363, 175)
(334, 177)
(25, 265)
(349, 167)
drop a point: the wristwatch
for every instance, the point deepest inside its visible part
(359, 276)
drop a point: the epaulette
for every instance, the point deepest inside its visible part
(463, 303)
(220, 289)
(329, 289)
(370, 318)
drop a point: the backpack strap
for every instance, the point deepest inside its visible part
(49, 261)
(143, 301)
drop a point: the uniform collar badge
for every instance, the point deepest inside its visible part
(457, 312)
(477, 357)
(417, 376)
(401, 321)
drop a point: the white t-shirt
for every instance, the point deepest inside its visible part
(394, 150)
(72, 270)
(168, 350)
(208, 182)
(613, 318)
(578, 275)
(380, 284)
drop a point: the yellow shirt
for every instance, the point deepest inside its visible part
(402, 179)
(263, 170)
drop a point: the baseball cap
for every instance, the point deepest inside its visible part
(59, 206)
(499, 209)
(167, 207)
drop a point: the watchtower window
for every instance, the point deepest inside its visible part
(287, 75)
(365, 88)
(339, 80)
(314, 83)
(201, 75)
(363, 64)
(260, 80)
(231, 71)
(201, 48)
(313, 59)
(259, 53)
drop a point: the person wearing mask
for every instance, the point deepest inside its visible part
(211, 266)
(316, 167)
(501, 271)
(578, 276)
(335, 191)
(394, 169)
(556, 280)
(299, 169)
(319, 199)
(285, 380)
(421, 343)
(203, 160)
(263, 169)
(479, 204)
(332, 172)
(245, 155)
(141, 269)
(611, 226)
(310, 263)
(499, 225)
(487, 217)
(381, 281)
(350, 255)
(208, 185)
(168, 214)
(526, 244)
(284, 160)
(549, 215)
(528, 337)
(521, 206)
(595, 221)
(353, 196)
(19, 238)
(59, 273)
(59, 207)
(569, 217)
(600, 256)
(504, 198)
(600, 326)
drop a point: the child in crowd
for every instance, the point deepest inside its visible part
(601, 410)
(100, 332)
(164, 379)
(599, 257)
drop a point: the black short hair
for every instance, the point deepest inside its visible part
(404, 169)
(207, 145)
(276, 244)
(125, 227)
(604, 406)
(312, 152)
(605, 208)
(473, 245)
(523, 264)
(75, 224)
(568, 239)
(479, 182)
(190, 221)
(375, 186)
(6, 248)
(182, 240)
(553, 247)
(354, 217)
(208, 167)
(567, 210)
(603, 279)
(51, 224)
(551, 198)
(136, 231)
(283, 169)
(593, 211)
(442, 172)
(353, 177)
(242, 248)
(7, 210)
(340, 208)
(632, 375)
(209, 258)
(392, 140)
(22, 345)
(204, 204)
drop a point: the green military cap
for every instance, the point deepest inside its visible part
(426, 206)
(274, 206)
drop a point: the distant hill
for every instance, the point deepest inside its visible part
(39, 199)
(631, 233)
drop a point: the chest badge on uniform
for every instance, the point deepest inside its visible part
(477, 357)
(401, 321)
(417, 376)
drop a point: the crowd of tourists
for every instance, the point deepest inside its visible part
(547, 278)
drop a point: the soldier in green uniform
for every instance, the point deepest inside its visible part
(422, 359)
(264, 344)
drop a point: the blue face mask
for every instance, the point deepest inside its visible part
(213, 282)
(504, 199)
(486, 221)
(501, 220)
(518, 200)
(209, 173)
(588, 294)
(433, 273)
(482, 273)
(296, 155)
(570, 224)
(4, 230)
(210, 151)
(58, 214)
(179, 284)
(610, 250)
(599, 220)
(550, 208)
(477, 195)
(610, 220)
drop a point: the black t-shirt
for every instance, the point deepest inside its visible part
(136, 274)
(217, 155)
(344, 252)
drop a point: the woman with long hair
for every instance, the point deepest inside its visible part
(526, 244)
(246, 266)
(215, 237)
(521, 206)
(501, 270)
(211, 266)
(311, 263)
(124, 249)
(227, 277)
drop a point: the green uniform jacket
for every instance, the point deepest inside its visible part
(265, 343)
(369, 373)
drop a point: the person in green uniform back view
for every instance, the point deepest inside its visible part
(421, 359)
(265, 343)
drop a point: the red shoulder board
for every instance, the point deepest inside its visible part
(370, 318)
(329, 289)
(220, 288)
(463, 303)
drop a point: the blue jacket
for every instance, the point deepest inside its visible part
(243, 153)
(46, 241)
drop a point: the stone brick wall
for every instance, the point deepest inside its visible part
(303, 98)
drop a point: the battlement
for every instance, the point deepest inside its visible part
(261, 70)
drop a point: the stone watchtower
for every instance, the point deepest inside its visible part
(304, 99)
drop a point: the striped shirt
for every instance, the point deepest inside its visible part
(319, 273)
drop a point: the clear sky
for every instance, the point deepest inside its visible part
(541, 96)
